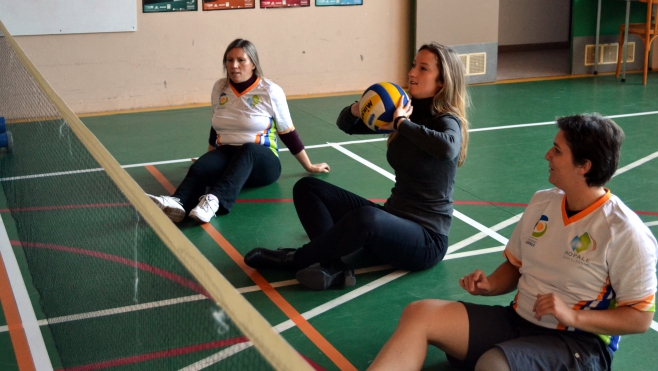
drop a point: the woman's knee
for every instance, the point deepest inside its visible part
(493, 359)
(305, 185)
(421, 311)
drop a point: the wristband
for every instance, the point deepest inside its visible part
(397, 121)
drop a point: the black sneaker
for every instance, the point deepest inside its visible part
(261, 258)
(320, 277)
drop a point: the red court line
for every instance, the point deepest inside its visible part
(489, 203)
(63, 207)
(14, 324)
(652, 213)
(267, 200)
(117, 259)
(307, 329)
(157, 355)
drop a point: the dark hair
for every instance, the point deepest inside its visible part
(250, 49)
(597, 139)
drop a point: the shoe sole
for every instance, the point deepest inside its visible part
(175, 215)
(319, 280)
(196, 217)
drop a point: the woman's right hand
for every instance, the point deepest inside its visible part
(476, 283)
(354, 110)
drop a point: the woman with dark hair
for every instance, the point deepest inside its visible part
(248, 112)
(410, 231)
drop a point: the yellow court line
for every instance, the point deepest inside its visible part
(311, 333)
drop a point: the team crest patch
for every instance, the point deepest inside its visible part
(540, 227)
(253, 101)
(583, 243)
(223, 99)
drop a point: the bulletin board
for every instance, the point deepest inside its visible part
(51, 17)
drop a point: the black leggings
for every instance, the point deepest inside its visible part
(226, 170)
(339, 222)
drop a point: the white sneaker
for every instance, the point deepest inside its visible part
(171, 207)
(206, 209)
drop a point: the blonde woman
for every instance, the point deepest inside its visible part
(410, 231)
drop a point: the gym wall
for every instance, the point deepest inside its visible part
(174, 58)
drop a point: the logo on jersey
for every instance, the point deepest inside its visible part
(253, 101)
(223, 99)
(583, 243)
(540, 227)
(580, 244)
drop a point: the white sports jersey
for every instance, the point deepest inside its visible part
(600, 258)
(253, 116)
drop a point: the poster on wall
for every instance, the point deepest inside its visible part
(337, 2)
(283, 3)
(228, 4)
(154, 6)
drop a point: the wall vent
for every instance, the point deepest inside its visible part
(475, 63)
(608, 53)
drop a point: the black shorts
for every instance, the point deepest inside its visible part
(528, 346)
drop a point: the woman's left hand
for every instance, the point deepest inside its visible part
(318, 168)
(400, 110)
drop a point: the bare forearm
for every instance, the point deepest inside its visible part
(504, 279)
(617, 321)
(303, 159)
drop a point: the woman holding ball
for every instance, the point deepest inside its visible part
(410, 231)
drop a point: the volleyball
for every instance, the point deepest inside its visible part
(378, 104)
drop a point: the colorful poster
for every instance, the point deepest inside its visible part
(284, 3)
(228, 4)
(337, 2)
(153, 6)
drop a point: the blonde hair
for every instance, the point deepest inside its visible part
(452, 97)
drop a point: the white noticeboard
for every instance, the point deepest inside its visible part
(52, 17)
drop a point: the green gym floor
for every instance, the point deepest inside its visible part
(511, 130)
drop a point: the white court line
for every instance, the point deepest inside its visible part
(50, 174)
(286, 325)
(515, 126)
(478, 236)
(25, 309)
(651, 224)
(635, 164)
(455, 213)
(553, 122)
(167, 302)
(654, 325)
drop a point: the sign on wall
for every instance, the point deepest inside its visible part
(151, 6)
(228, 4)
(337, 2)
(284, 3)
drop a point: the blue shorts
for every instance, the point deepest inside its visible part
(528, 346)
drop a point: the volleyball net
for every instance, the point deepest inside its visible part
(118, 284)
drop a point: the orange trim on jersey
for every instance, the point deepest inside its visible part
(302, 324)
(604, 289)
(512, 259)
(259, 135)
(646, 304)
(587, 211)
(239, 95)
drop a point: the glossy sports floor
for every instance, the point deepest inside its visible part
(511, 130)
